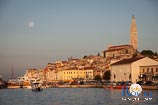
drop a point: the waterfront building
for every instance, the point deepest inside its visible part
(149, 73)
(134, 69)
(33, 74)
(70, 75)
(51, 75)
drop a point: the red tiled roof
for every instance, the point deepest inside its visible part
(126, 45)
(113, 49)
(127, 61)
(119, 47)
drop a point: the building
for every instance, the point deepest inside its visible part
(119, 52)
(134, 69)
(70, 75)
(33, 74)
(51, 75)
(149, 73)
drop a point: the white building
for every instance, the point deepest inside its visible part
(131, 69)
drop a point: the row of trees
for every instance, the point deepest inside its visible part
(149, 53)
(106, 76)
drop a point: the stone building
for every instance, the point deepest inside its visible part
(119, 52)
(134, 69)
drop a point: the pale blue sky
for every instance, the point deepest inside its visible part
(64, 28)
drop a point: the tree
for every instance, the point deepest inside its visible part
(84, 57)
(107, 75)
(97, 77)
(148, 53)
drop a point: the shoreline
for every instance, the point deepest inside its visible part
(85, 86)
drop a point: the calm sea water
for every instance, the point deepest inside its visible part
(68, 96)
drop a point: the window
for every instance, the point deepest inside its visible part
(152, 70)
(143, 70)
(114, 76)
(147, 70)
(156, 69)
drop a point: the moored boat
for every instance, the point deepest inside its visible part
(36, 86)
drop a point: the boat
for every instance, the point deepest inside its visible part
(36, 86)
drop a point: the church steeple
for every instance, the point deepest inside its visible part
(134, 34)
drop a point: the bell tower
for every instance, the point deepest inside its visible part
(134, 34)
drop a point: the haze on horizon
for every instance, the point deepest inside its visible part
(35, 32)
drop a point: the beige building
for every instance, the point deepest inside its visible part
(132, 69)
(69, 75)
(51, 75)
(149, 73)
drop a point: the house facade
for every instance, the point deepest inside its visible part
(132, 69)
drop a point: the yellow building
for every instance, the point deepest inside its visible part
(69, 75)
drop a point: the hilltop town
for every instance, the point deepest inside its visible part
(120, 63)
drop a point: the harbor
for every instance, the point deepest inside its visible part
(78, 52)
(68, 96)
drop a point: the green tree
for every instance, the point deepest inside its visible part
(84, 57)
(148, 53)
(107, 75)
(97, 77)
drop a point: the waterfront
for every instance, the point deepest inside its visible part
(68, 96)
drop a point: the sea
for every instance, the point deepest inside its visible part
(74, 96)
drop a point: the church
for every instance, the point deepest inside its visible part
(119, 52)
(126, 64)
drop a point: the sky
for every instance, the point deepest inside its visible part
(35, 32)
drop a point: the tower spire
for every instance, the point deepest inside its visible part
(134, 34)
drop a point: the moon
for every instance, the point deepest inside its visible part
(31, 24)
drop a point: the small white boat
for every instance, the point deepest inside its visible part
(36, 86)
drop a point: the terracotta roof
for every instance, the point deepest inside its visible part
(127, 61)
(126, 45)
(113, 49)
(119, 47)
